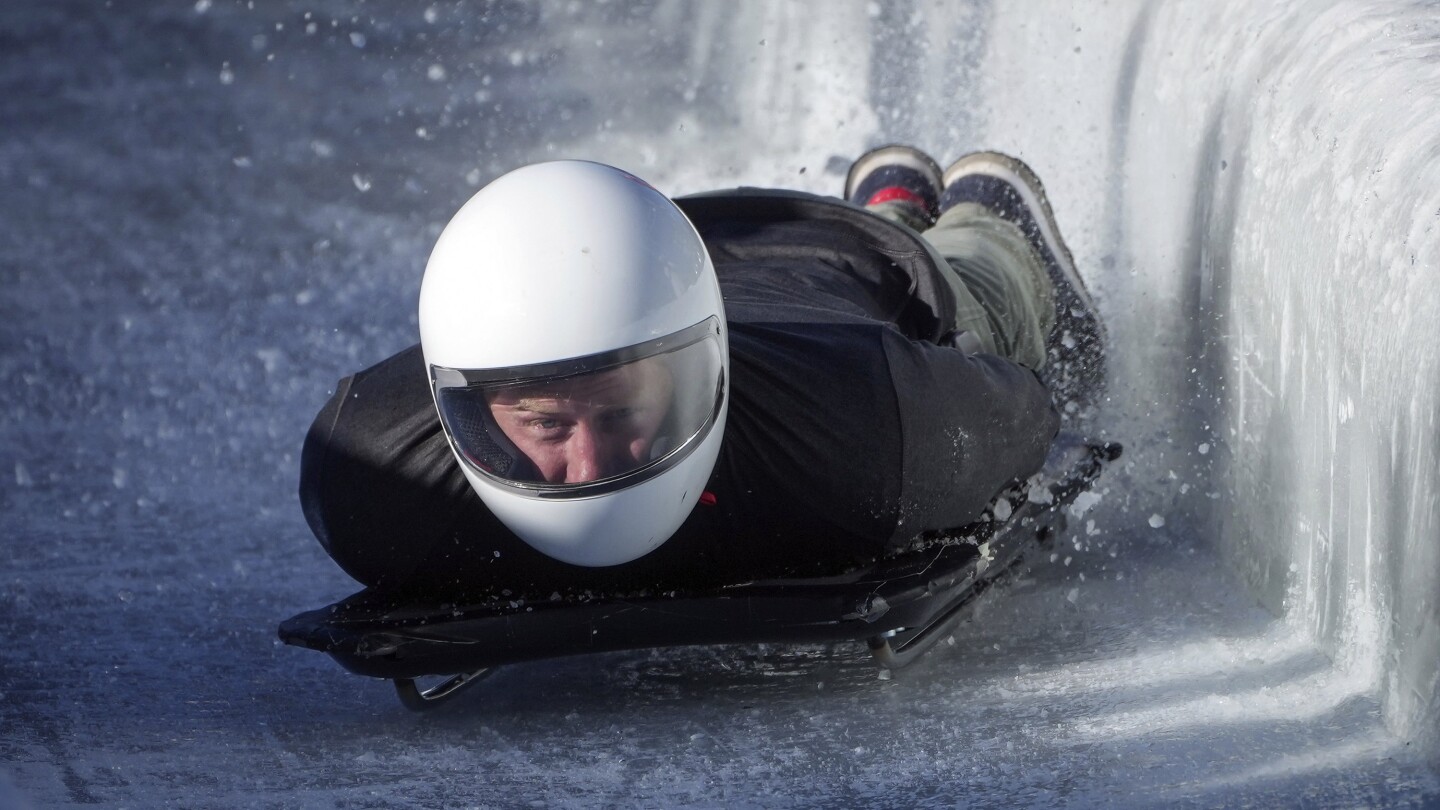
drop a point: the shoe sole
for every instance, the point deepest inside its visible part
(893, 155)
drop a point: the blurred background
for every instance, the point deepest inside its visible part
(210, 211)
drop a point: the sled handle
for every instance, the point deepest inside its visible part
(420, 700)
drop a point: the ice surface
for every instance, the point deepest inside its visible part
(215, 209)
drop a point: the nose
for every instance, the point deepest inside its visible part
(583, 455)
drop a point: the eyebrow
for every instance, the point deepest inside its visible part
(539, 405)
(529, 406)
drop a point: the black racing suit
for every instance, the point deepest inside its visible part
(853, 426)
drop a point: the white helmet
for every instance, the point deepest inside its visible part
(575, 338)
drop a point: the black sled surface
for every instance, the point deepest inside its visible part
(900, 606)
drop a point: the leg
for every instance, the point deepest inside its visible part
(1072, 334)
(1014, 282)
(994, 263)
(903, 185)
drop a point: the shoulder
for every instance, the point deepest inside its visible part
(715, 213)
(745, 224)
(763, 203)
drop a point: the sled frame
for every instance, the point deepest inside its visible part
(900, 608)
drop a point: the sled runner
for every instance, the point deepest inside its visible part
(900, 606)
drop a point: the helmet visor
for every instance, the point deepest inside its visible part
(587, 425)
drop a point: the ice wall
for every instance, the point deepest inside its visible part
(1248, 188)
(1269, 263)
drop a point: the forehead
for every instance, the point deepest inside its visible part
(637, 379)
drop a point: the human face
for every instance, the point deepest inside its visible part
(589, 427)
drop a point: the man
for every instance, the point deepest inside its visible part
(751, 384)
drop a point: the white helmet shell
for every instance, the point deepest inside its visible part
(548, 267)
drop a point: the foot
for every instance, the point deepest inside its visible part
(1075, 364)
(896, 174)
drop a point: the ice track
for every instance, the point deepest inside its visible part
(212, 210)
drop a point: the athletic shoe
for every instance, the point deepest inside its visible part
(1075, 365)
(896, 173)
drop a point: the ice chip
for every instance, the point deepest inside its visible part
(436, 73)
(1073, 595)
(22, 475)
(357, 39)
(1083, 503)
(1204, 448)
(1156, 521)
(361, 182)
(1003, 510)
(269, 358)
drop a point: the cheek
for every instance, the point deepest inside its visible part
(549, 460)
(644, 438)
(543, 454)
(639, 448)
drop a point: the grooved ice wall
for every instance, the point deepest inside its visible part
(1280, 210)
(1252, 192)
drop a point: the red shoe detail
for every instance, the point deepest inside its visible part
(707, 498)
(896, 194)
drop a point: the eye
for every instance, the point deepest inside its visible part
(547, 428)
(619, 418)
